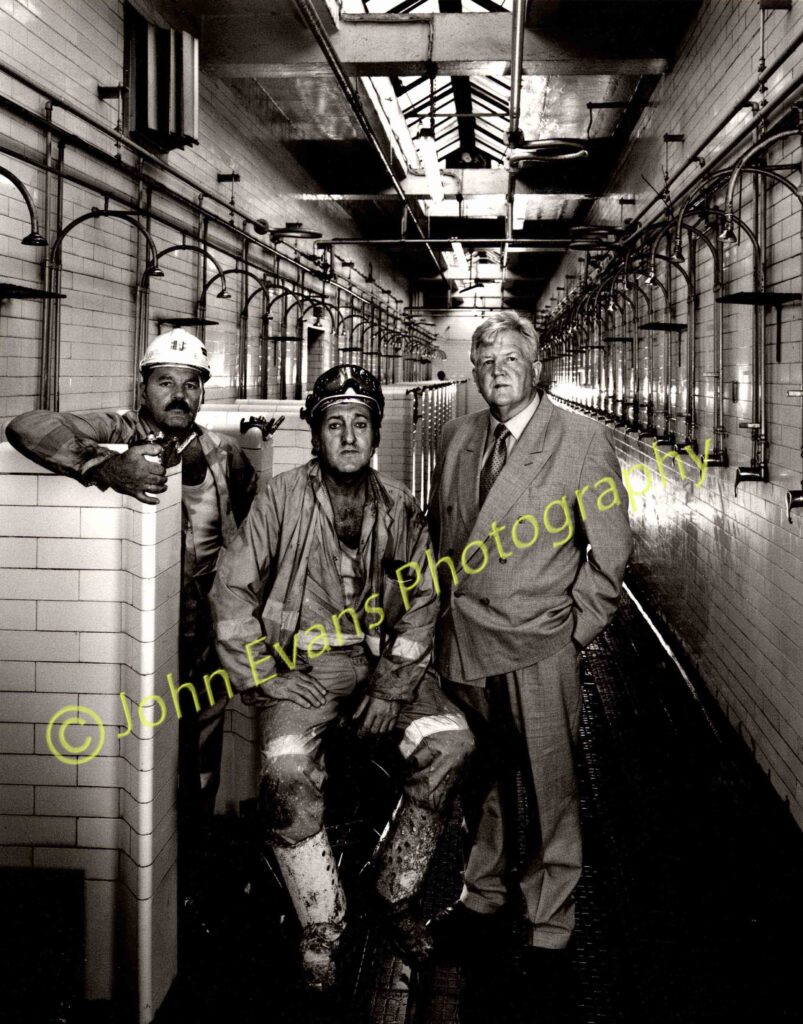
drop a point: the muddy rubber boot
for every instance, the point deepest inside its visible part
(310, 876)
(402, 858)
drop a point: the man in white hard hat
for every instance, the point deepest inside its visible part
(218, 486)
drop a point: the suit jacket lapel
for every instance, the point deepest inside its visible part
(468, 470)
(529, 456)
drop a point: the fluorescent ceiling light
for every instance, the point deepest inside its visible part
(428, 152)
(460, 262)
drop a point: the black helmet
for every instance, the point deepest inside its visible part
(345, 383)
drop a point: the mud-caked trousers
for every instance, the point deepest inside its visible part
(434, 741)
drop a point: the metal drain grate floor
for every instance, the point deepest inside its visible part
(690, 903)
(689, 910)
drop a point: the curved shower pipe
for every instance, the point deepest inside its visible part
(631, 422)
(719, 456)
(639, 426)
(650, 429)
(761, 471)
(754, 150)
(583, 317)
(396, 344)
(332, 311)
(224, 293)
(243, 314)
(263, 286)
(350, 348)
(617, 403)
(35, 237)
(51, 356)
(668, 437)
(153, 269)
(573, 328)
(715, 182)
(595, 318)
(607, 370)
(758, 470)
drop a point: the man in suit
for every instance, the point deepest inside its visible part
(533, 538)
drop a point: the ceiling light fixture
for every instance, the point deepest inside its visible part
(460, 261)
(428, 148)
(428, 151)
(548, 150)
(294, 229)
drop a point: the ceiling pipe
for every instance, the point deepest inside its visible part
(310, 18)
(696, 157)
(489, 243)
(514, 131)
(516, 61)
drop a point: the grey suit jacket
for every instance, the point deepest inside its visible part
(556, 533)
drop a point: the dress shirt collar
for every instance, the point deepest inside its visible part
(516, 424)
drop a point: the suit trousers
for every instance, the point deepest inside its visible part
(527, 721)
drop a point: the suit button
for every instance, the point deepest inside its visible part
(449, 509)
(450, 552)
(503, 561)
(458, 593)
(485, 601)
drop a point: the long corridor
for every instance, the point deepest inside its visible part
(688, 911)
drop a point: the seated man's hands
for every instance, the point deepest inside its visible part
(378, 715)
(131, 473)
(300, 689)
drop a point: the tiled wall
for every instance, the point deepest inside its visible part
(90, 582)
(406, 452)
(725, 570)
(71, 48)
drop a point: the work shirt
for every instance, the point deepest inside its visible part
(203, 539)
(336, 577)
(258, 596)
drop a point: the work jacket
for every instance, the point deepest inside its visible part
(258, 593)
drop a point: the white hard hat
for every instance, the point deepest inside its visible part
(177, 348)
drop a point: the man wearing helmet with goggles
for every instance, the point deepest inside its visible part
(217, 487)
(311, 628)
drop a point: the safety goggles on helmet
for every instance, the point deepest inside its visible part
(344, 383)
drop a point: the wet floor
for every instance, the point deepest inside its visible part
(689, 908)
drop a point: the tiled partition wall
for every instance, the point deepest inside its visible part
(90, 585)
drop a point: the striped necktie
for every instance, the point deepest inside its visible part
(495, 462)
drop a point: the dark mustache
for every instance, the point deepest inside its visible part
(177, 403)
